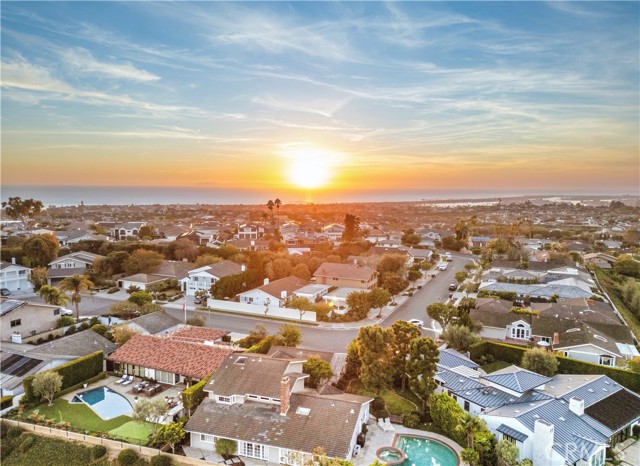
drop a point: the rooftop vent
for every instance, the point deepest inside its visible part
(600, 338)
(561, 418)
(303, 411)
(241, 360)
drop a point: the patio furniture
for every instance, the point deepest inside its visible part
(128, 381)
(234, 460)
(122, 379)
(149, 391)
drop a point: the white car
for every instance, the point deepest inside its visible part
(442, 266)
(66, 312)
(416, 322)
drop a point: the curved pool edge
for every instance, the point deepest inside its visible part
(446, 441)
(90, 406)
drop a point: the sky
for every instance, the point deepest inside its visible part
(322, 98)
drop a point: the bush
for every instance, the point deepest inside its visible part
(73, 373)
(193, 396)
(161, 460)
(64, 321)
(115, 289)
(27, 443)
(84, 326)
(14, 432)
(98, 451)
(411, 420)
(71, 330)
(379, 407)
(100, 329)
(127, 457)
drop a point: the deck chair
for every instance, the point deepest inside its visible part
(122, 379)
(128, 381)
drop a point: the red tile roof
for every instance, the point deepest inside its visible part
(197, 334)
(171, 355)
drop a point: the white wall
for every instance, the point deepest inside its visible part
(251, 309)
(493, 333)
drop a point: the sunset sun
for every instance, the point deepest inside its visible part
(310, 168)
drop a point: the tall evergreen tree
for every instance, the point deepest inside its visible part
(421, 368)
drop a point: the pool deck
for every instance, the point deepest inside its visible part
(377, 438)
(127, 391)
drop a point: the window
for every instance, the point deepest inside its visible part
(606, 360)
(16, 323)
(56, 312)
(254, 450)
(509, 438)
(598, 458)
(520, 332)
(224, 399)
(547, 339)
(207, 438)
(466, 406)
(22, 272)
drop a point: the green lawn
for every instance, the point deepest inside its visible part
(133, 431)
(80, 416)
(395, 403)
(495, 366)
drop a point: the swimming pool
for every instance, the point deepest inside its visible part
(422, 451)
(104, 402)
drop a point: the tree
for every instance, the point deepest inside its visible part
(393, 283)
(470, 456)
(196, 321)
(634, 364)
(122, 334)
(290, 334)
(185, 249)
(41, 249)
(150, 410)
(421, 367)
(451, 243)
(171, 434)
(414, 275)
(508, 452)
(281, 268)
(125, 309)
(468, 425)
(379, 298)
(149, 308)
(541, 361)
(459, 337)
(351, 228)
(318, 369)
(38, 277)
(46, 384)
(442, 313)
(23, 210)
(76, 285)
(143, 261)
(207, 259)
(140, 298)
(358, 304)
(270, 206)
(410, 238)
(146, 231)
(403, 334)
(301, 304)
(461, 229)
(52, 295)
(301, 271)
(374, 353)
(627, 265)
(461, 276)
(277, 203)
(394, 263)
(226, 447)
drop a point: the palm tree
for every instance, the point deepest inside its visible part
(75, 285)
(470, 425)
(270, 206)
(278, 203)
(265, 216)
(52, 295)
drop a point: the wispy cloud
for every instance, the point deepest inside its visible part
(82, 60)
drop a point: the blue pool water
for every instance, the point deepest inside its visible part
(104, 402)
(426, 452)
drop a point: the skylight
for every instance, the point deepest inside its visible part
(241, 360)
(303, 411)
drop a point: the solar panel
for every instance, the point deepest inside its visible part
(20, 365)
(8, 362)
(30, 364)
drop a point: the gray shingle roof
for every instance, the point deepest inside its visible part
(517, 379)
(155, 322)
(616, 411)
(63, 273)
(78, 345)
(451, 358)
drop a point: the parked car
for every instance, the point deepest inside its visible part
(453, 287)
(442, 266)
(199, 300)
(448, 257)
(5, 291)
(66, 312)
(416, 322)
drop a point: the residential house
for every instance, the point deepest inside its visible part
(71, 237)
(21, 319)
(479, 241)
(76, 263)
(126, 230)
(261, 403)
(604, 261)
(581, 329)
(154, 323)
(182, 354)
(334, 232)
(172, 232)
(346, 275)
(14, 277)
(250, 244)
(419, 255)
(376, 235)
(273, 293)
(196, 237)
(202, 278)
(554, 421)
(313, 292)
(250, 231)
(337, 361)
(168, 270)
(19, 361)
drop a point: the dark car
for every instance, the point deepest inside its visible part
(5, 292)
(199, 300)
(453, 287)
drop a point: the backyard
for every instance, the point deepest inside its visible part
(81, 417)
(495, 366)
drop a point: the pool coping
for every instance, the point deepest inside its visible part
(453, 449)
(77, 394)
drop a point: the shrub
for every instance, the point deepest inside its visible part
(161, 460)
(193, 396)
(226, 447)
(14, 432)
(27, 443)
(127, 457)
(64, 321)
(71, 330)
(98, 451)
(115, 289)
(378, 407)
(100, 329)
(411, 420)
(84, 326)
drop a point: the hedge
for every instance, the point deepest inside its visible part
(513, 354)
(6, 402)
(73, 373)
(193, 396)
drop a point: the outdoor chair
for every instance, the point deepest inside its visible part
(122, 379)
(128, 381)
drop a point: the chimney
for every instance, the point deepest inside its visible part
(243, 268)
(266, 282)
(543, 433)
(576, 406)
(283, 294)
(285, 396)
(253, 242)
(13, 260)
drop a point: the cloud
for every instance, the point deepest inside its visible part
(82, 60)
